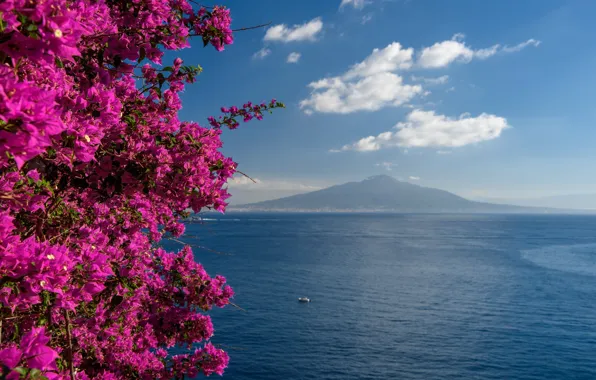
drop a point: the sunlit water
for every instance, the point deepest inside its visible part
(405, 296)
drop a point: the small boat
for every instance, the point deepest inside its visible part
(303, 299)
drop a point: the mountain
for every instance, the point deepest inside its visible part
(379, 193)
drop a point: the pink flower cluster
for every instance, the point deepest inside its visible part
(32, 351)
(96, 169)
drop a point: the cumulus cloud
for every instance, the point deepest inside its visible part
(371, 93)
(376, 82)
(261, 54)
(367, 86)
(432, 81)
(293, 57)
(414, 178)
(441, 54)
(303, 32)
(427, 129)
(391, 58)
(356, 4)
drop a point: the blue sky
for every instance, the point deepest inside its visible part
(488, 99)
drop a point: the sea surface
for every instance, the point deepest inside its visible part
(404, 296)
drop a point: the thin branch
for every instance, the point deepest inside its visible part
(252, 27)
(69, 337)
(237, 307)
(11, 318)
(246, 175)
(201, 5)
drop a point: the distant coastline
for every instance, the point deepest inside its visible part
(518, 210)
(385, 194)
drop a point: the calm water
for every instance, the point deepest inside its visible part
(406, 296)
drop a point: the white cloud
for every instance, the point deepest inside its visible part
(441, 54)
(276, 184)
(293, 57)
(427, 129)
(518, 47)
(261, 54)
(336, 95)
(357, 4)
(450, 89)
(376, 82)
(243, 181)
(367, 86)
(414, 178)
(393, 57)
(487, 52)
(366, 18)
(431, 81)
(245, 191)
(304, 32)
(387, 165)
(444, 152)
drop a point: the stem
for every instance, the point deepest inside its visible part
(1, 320)
(69, 337)
(246, 175)
(236, 306)
(251, 27)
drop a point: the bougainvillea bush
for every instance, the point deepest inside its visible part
(96, 169)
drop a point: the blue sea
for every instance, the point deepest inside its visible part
(404, 296)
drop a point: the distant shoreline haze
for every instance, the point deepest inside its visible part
(383, 193)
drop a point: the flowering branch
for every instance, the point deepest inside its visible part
(96, 168)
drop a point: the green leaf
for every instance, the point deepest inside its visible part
(36, 374)
(42, 321)
(2, 23)
(22, 18)
(21, 370)
(161, 79)
(129, 119)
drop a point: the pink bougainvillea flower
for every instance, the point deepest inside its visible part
(96, 169)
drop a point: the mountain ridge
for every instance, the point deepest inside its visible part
(382, 193)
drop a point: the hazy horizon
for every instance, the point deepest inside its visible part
(244, 190)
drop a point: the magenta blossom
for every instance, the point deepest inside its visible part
(96, 168)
